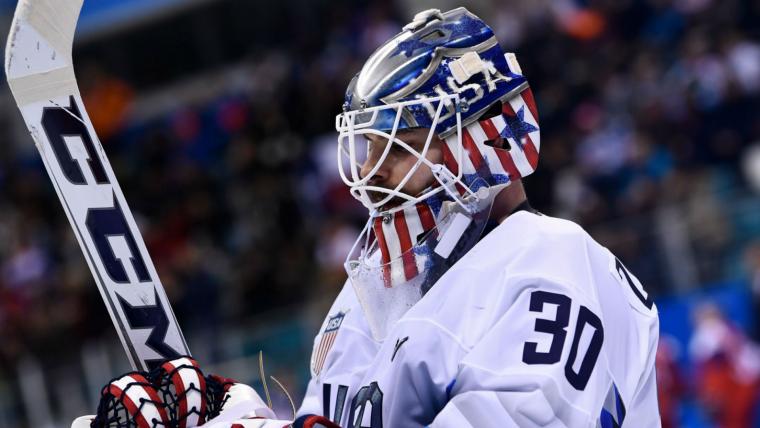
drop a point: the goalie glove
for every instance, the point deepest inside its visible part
(128, 401)
(175, 395)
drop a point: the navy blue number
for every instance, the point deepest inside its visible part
(367, 395)
(555, 327)
(59, 123)
(580, 379)
(647, 301)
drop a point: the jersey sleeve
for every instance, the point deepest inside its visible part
(311, 404)
(539, 365)
(340, 353)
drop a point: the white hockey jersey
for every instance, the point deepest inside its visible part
(537, 325)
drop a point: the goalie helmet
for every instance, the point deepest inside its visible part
(444, 72)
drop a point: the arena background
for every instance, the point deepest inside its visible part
(217, 116)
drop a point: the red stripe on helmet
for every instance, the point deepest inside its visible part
(472, 149)
(508, 164)
(426, 217)
(530, 152)
(450, 162)
(377, 226)
(505, 158)
(527, 96)
(407, 256)
(490, 129)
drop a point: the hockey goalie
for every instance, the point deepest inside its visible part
(463, 306)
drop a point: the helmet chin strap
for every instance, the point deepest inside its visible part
(471, 201)
(448, 182)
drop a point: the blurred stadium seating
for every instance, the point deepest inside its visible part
(217, 116)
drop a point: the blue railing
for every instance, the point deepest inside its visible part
(98, 14)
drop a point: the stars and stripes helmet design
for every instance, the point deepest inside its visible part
(445, 72)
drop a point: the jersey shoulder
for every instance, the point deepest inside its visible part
(526, 252)
(534, 245)
(347, 307)
(344, 328)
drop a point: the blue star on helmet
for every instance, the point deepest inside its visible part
(465, 26)
(408, 47)
(517, 128)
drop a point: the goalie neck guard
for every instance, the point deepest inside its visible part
(445, 73)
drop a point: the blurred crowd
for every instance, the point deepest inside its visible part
(650, 116)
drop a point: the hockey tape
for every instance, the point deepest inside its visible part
(43, 87)
(55, 20)
(467, 66)
(514, 66)
(38, 53)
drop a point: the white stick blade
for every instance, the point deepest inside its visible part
(41, 76)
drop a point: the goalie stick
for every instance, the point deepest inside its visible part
(40, 72)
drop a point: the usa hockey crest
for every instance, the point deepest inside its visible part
(326, 342)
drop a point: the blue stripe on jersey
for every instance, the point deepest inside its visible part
(619, 405)
(449, 387)
(605, 420)
(613, 411)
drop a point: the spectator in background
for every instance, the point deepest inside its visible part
(728, 369)
(671, 386)
(752, 260)
(107, 98)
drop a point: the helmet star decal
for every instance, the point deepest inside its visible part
(465, 26)
(517, 127)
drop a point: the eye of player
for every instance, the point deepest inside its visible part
(376, 145)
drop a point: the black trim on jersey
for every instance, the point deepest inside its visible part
(493, 224)
(524, 206)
